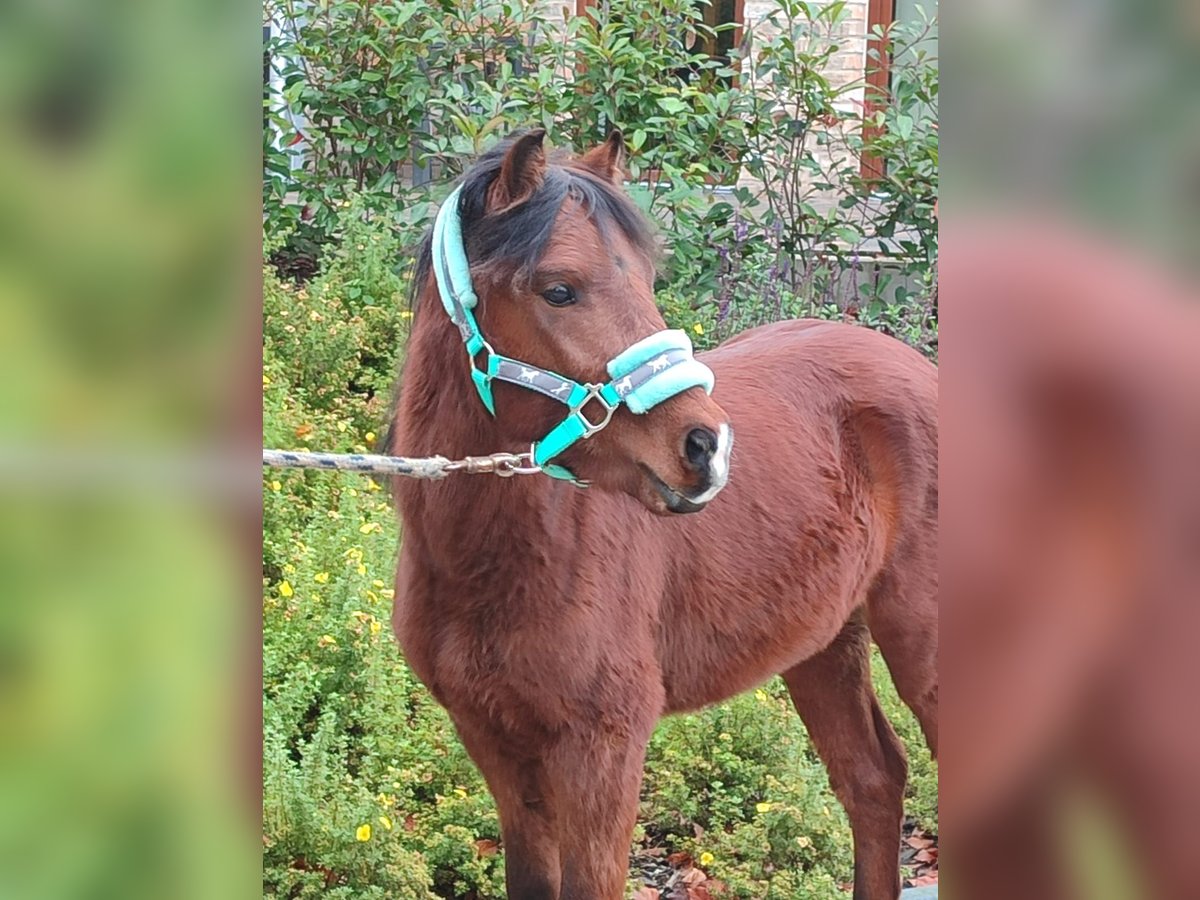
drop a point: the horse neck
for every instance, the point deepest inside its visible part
(439, 411)
(465, 523)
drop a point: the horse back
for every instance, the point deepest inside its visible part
(833, 480)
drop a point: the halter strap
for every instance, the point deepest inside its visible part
(645, 374)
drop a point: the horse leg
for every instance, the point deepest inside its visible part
(528, 829)
(867, 767)
(903, 617)
(597, 777)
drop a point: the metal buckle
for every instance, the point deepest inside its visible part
(593, 393)
(488, 353)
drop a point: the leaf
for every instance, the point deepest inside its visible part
(486, 847)
(904, 126)
(672, 105)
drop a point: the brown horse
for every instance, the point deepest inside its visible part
(558, 625)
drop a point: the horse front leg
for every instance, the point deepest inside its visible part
(529, 831)
(597, 776)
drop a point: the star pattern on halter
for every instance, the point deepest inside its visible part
(659, 363)
(528, 374)
(624, 386)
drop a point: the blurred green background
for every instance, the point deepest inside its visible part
(129, 316)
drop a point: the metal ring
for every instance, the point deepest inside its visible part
(489, 353)
(593, 393)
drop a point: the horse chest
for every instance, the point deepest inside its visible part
(497, 653)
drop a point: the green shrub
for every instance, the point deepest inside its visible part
(386, 87)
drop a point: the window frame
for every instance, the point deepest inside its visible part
(878, 79)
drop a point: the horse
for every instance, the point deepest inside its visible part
(558, 625)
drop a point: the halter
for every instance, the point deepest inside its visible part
(650, 371)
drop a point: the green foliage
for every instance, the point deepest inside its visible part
(338, 334)
(390, 90)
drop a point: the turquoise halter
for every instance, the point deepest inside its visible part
(654, 369)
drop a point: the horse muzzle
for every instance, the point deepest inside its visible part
(707, 454)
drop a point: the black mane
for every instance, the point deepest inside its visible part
(516, 238)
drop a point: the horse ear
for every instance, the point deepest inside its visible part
(521, 173)
(608, 159)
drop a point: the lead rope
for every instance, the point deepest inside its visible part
(433, 467)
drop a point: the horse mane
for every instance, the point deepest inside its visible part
(513, 241)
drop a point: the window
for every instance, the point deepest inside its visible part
(883, 13)
(723, 12)
(714, 14)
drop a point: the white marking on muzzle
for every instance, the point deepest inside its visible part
(718, 466)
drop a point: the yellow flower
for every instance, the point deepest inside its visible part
(762, 696)
(266, 381)
(406, 313)
(725, 736)
(376, 627)
(368, 527)
(698, 328)
(321, 578)
(803, 842)
(371, 485)
(276, 486)
(362, 570)
(763, 807)
(370, 436)
(461, 792)
(285, 590)
(377, 583)
(707, 859)
(363, 832)
(341, 426)
(353, 492)
(385, 822)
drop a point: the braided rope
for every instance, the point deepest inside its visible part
(367, 463)
(503, 464)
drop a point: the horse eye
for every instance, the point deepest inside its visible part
(559, 295)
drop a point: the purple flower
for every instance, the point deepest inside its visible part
(723, 307)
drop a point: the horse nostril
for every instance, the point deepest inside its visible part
(699, 446)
